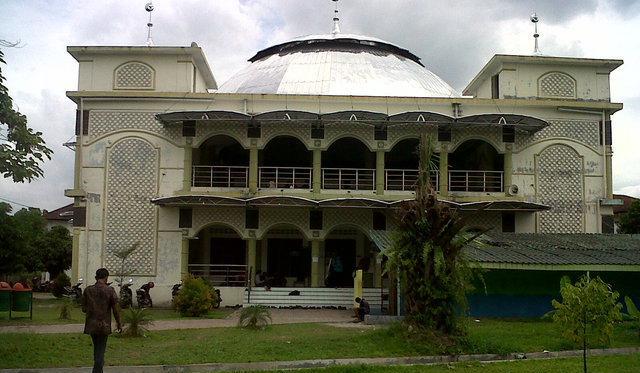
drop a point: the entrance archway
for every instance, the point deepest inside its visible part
(220, 162)
(285, 257)
(346, 249)
(219, 254)
(476, 166)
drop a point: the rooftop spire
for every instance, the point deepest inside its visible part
(149, 8)
(534, 19)
(336, 20)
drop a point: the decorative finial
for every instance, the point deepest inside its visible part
(534, 19)
(336, 20)
(149, 8)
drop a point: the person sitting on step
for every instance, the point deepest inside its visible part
(362, 309)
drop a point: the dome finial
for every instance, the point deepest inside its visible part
(149, 8)
(336, 20)
(534, 19)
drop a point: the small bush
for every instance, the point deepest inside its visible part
(57, 288)
(195, 298)
(254, 317)
(65, 310)
(136, 321)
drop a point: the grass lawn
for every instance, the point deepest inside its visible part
(278, 342)
(600, 364)
(47, 311)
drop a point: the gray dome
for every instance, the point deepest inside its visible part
(340, 64)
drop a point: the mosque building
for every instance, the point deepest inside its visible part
(292, 169)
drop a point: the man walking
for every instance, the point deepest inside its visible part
(98, 302)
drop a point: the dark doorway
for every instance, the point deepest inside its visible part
(228, 251)
(287, 257)
(348, 153)
(285, 151)
(340, 255)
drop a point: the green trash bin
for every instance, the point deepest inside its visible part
(22, 301)
(5, 300)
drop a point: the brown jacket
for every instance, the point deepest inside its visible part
(98, 301)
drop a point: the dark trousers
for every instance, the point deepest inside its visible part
(99, 347)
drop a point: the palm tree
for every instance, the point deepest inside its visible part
(427, 255)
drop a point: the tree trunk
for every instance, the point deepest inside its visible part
(584, 347)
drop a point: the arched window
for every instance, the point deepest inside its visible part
(134, 75)
(557, 84)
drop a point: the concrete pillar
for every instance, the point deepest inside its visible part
(253, 169)
(444, 171)
(357, 286)
(380, 172)
(316, 277)
(609, 191)
(508, 166)
(317, 170)
(184, 258)
(188, 168)
(251, 259)
(377, 271)
(75, 255)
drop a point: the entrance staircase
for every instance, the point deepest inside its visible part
(311, 297)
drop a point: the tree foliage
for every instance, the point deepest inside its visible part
(427, 255)
(21, 149)
(587, 313)
(27, 246)
(630, 221)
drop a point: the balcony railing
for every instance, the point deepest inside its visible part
(406, 180)
(348, 178)
(220, 176)
(221, 274)
(285, 177)
(476, 181)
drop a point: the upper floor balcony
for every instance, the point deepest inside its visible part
(346, 166)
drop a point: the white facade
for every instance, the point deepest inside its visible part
(126, 157)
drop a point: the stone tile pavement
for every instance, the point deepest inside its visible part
(278, 316)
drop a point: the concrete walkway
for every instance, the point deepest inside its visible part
(278, 316)
(322, 363)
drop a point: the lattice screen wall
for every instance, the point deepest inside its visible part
(134, 75)
(132, 181)
(559, 174)
(557, 84)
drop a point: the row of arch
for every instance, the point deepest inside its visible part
(346, 152)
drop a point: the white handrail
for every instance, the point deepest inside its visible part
(220, 176)
(476, 181)
(406, 179)
(285, 177)
(349, 178)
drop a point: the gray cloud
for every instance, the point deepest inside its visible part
(454, 39)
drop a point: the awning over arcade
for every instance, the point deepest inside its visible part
(519, 122)
(353, 202)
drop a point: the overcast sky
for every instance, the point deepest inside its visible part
(453, 38)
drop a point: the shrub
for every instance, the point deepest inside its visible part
(254, 317)
(65, 310)
(136, 321)
(57, 288)
(195, 297)
(632, 312)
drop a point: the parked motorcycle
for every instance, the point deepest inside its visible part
(126, 295)
(74, 292)
(143, 296)
(175, 290)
